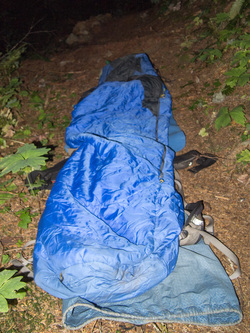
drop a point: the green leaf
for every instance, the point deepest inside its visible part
(13, 103)
(25, 218)
(6, 183)
(236, 72)
(223, 118)
(19, 243)
(27, 156)
(27, 132)
(244, 156)
(245, 136)
(21, 294)
(15, 81)
(5, 196)
(242, 57)
(5, 259)
(10, 288)
(243, 79)
(36, 99)
(238, 115)
(245, 44)
(11, 187)
(24, 93)
(5, 275)
(3, 304)
(221, 17)
(3, 143)
(217, 83)
(203, 57)
(217, 53)
(227, 90)
(5, 209)
(232, 82)
(225, 34)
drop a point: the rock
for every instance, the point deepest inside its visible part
(42, 83)
(144, 15)
(175, 7)
(65, 62)
(197, 80)
(108, 54)
(84, 31)
(72, 39)
(95, 23)
(80, 28)
(218, 97)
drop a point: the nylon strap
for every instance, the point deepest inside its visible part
(207, 234)
(208, 238)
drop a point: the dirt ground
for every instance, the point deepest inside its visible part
(223, 186)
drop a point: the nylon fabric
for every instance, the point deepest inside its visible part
(198, 292)
(111, 224)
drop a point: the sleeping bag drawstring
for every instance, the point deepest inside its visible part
(162, 164)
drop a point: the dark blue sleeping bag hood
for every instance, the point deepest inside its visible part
(110, 229)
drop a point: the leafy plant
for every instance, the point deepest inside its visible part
(8, 102)
(3, 143)
(225, 117)
(10, 92)
(39, 104)
(22, 133)
(65, 122)
(5, 196)
(19, 244)
(26, 159)
(210, 55)
(36, 101)
(244, 156)
(220, 18)
(227, 27)
(198, 21)
(9, 61)
(246, 136)
(6, 191)
(238, 74)
(10, 288)
(25, 218)
(197, 103)
(38, 303)
(228, 35)
(44, 118)
(227, 20)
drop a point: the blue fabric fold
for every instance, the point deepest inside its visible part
(198, 292)
(107, 226)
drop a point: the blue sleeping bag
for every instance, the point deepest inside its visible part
(110, 229)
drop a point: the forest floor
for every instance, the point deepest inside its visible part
(170, 41)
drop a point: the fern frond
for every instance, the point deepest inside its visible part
(235, 9)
